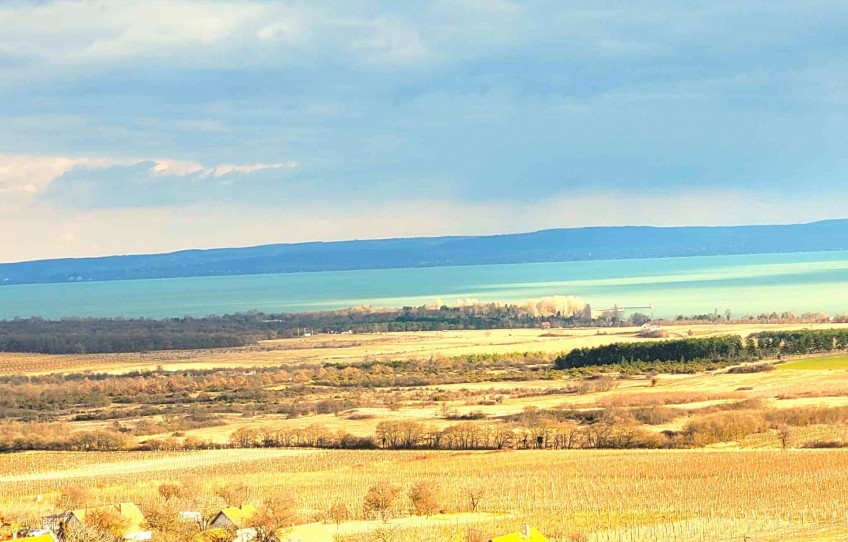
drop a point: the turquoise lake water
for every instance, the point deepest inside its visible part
(749, 284)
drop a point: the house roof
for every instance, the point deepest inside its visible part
(239, 515)
(309, 532)
(535, 536)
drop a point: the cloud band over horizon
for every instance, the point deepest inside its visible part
(146, 126)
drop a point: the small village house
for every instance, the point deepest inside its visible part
(237, 520)
(234, 518)
(135, 530)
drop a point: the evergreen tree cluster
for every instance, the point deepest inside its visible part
(726, 348)
(682, 350)
(797, 342)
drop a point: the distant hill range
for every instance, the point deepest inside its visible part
(601, 243)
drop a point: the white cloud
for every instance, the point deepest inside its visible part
(250, 168)
(192, 100)
(99, 29)
(176, 167)
(180, 168)
(30, 173)
(55, 38)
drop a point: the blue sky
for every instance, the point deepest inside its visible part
(154, 125)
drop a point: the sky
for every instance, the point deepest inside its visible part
(155, 125)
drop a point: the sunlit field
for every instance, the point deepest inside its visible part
(830, 363)
(603, 495)
(322, 348)
(758, 457)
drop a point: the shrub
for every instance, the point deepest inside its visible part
(425, 498)
(724, 426)
(655, 415)
(171, 491)
(749, 368)
(338, 513)
(803, 416)
(380, 499)
(824, 444)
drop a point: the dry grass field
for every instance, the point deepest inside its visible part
(599, 495)
(741, 489)
(351, 348)
(797, 384)
(491, 401)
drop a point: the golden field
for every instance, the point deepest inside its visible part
(602, 495)
(740, 489)
(350, 348)
(492, 401)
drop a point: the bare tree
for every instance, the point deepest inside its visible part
(380, 499)
(170, 490)
(234, 495)
(474, 496)
(245, 437)
(73, 497)
(163, 518)
(274, 514)
(425, 498)
(101, 525)
(338, 513)
(784, 433)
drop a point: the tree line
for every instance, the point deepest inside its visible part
(610, 427)
(797, 342)
(717, 350)
(113, 335)
(726, 347)
(296, 389)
